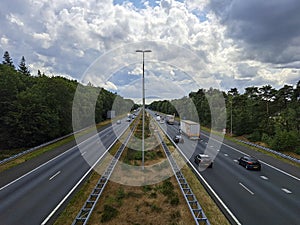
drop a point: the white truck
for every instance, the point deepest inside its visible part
(170, 119)
(190, 129)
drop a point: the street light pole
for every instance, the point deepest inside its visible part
(143, 87)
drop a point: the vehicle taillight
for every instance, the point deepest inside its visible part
(250, 162)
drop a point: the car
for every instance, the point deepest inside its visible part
(178, 139)
(118, 121)
(203, 160)
(128, 119)
(250, 163)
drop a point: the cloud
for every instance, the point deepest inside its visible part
(266, 30)
(193, 42)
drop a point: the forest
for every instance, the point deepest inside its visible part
(38, 108)
(261, 114)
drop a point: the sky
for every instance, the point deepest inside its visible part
(194, 44)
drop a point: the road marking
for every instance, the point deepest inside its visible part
(264, 178)
(286, 190)
(235, 160)
(40, 166)
(275, 168)
(83, 153)
(247, 189)
(54, 175)
(79, 182)
(226, 155)
(212, 146)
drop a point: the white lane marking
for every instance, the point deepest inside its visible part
(212, 146)
(235, 160)
(226, 155)
(74, 147)
(247, 189)
(286, 190)
(54, 175)
(273, 167)
(237, 222)
(264, 178)
(79, 182)
(83, 153)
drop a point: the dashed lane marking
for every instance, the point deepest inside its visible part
(264, 178)
(54, 175)
(247, 189)
(286, 190)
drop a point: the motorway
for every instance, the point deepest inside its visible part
(34, 197)
(269, 196)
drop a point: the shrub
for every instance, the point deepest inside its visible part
(109, 213)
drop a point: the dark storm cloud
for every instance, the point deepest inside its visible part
(267, 30)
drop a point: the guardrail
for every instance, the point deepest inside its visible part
(88, 207)
(271, 150)
(38, 147)
(33, 149)
(194, 206)
(228, 214)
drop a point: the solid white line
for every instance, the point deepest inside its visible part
(275, 168)
(48, 161)
(237, 222)
(79, 182)
(286, 190)
(54, 175)
(246, 188)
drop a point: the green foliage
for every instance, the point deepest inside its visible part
(167, 188)
(37, 109)
(285, 140)
(260, 113)
(109, 213)
(174, 200)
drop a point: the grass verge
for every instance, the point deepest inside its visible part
(40, 151)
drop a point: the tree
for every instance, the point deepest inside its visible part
(23, 68)
(7, 60)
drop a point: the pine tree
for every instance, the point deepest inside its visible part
(7, 60)
(23, 68)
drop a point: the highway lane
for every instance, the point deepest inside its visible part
(32, 198)
(269, 196)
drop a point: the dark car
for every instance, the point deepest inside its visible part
(203, 160)
(178, 139)
(250, 163)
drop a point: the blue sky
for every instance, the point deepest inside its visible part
(229, 43)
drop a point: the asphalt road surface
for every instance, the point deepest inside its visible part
(269, 196)
(35, 196)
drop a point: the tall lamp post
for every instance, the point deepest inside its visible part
(143, 131)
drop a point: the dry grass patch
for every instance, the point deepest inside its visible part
(161, 203)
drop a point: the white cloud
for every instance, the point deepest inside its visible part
(66, 37)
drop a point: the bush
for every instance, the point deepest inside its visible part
(174, 200)
(109, 213)
(255, 136)
(285, 141)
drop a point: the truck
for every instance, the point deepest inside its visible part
(170, 119)
(190, 129)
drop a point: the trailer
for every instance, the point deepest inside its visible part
(190, 129)
(170, 119)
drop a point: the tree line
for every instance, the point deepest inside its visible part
(37, 108)
(261, 114)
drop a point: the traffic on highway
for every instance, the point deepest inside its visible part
(250, 187)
